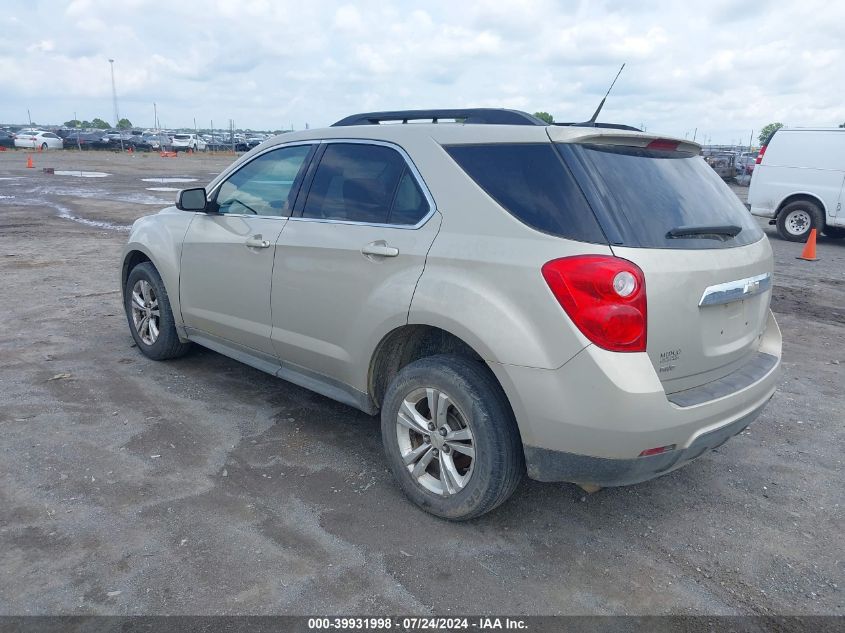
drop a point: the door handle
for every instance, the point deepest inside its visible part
(256, 241)
(380, 249)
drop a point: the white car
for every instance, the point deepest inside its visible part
(35, 139)
(188, 142)
(798, 182)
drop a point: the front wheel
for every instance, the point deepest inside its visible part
(450, 437)
(150, 318)
(797, 219)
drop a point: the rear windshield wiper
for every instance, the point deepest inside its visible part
(722, 232)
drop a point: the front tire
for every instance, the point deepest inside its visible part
(150, 318)
(450, 437)
(797, 219)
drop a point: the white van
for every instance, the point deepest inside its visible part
(798, 182)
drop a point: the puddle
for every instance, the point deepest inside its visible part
(167, 179)
(82, 174)
(162, 189)
(67, 215)
(7, 197)
(101, 194)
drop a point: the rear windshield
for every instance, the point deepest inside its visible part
(531, 182)
(642, 197)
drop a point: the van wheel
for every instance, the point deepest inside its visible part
(150, 318)
(834, 232)
(797, 219)
(450, 437)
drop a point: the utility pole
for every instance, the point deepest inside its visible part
(155, 116)
(114, 99)
(78, 146)
(29, 116)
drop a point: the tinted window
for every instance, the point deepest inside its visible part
(532, 183)
(364, 183)
(641, 195)
(263, 186)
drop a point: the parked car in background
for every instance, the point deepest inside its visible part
(799, 182)
(158, 141)
(723, 163)
(188, 142)
(585, 303)
(745, 163)
(38, 139)
(219, 145)
(87, 140)
(7, 139)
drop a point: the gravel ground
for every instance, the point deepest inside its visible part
(202, 486)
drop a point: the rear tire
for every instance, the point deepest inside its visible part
(797, 219)
(149, 314)
(464, 461)
(43, 147)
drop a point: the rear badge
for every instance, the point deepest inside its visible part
(667, 360)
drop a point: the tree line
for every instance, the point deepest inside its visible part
(99, 124)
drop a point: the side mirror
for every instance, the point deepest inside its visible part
(191, 199)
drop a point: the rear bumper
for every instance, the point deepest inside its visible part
(546, 465)
(589, 420)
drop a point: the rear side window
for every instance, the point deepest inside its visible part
(356, 182)
(641, 196)
(531, 182)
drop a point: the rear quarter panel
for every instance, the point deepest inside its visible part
(482, 280)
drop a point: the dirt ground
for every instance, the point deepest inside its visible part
(202, 486)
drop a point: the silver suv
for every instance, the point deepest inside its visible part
(584, 303)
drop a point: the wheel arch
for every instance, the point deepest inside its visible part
(802, 196)
(408, 343)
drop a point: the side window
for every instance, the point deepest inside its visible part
(410, 205)
(263, 186)
(364, 183)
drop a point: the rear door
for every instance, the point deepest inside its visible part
(706, 262)
(227, 254)
(349, 259)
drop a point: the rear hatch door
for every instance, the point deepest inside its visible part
(707, 263)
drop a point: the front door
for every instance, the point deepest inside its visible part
(349, 259)
(227, 253)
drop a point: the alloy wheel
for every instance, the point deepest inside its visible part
(146, 314)
(435, 441)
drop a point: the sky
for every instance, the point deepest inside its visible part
(716, 69)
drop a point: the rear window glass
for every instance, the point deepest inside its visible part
(531, 182)
(641, 195)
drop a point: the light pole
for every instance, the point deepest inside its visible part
(114, 99)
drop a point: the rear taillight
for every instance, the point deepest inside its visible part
(759, 158)
(605, 298)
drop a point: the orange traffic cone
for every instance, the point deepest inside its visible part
(809, 252)
(29, 164)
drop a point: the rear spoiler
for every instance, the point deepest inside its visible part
(605, 136)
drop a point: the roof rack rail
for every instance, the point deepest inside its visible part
(486, 116)
(610, 126)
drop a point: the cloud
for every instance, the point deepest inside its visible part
(722, 67)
